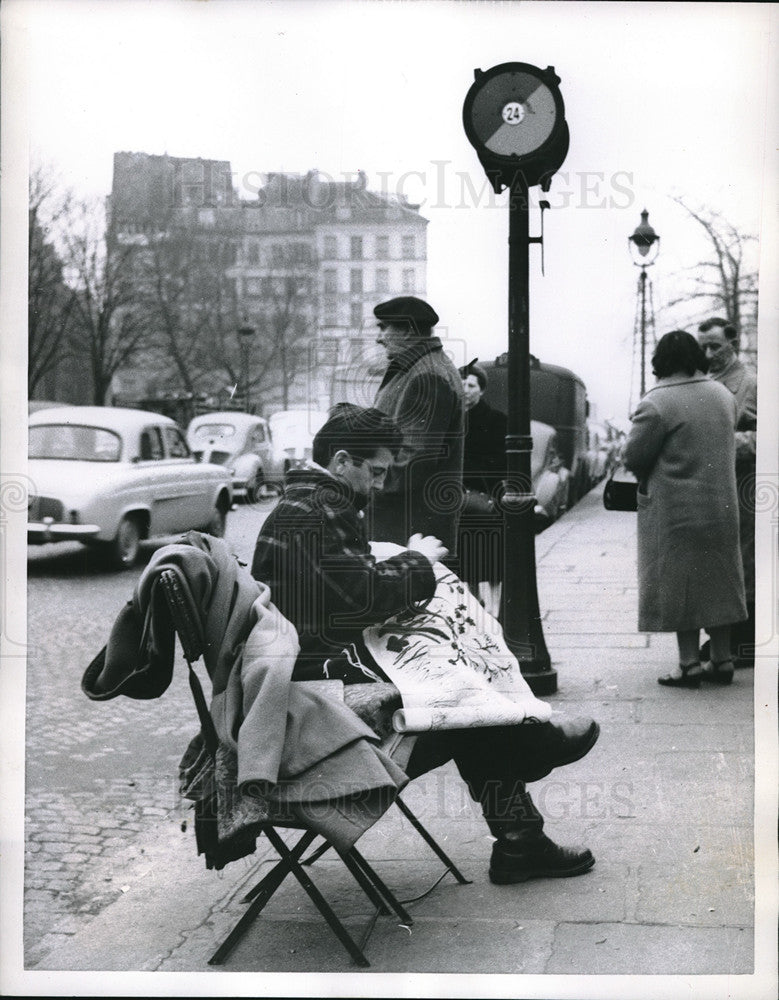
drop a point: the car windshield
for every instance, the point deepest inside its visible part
(74, 443)
(214, 430)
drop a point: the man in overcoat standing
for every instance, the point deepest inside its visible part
(719, 342)
(422, 392)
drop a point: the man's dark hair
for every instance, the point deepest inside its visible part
(728, 330)
(678, 351)
(356, 430)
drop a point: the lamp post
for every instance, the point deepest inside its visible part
(245, 336)
(514, 117)
(644, 247)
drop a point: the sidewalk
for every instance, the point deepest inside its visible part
(664, 801)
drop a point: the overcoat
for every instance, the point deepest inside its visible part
(682, 450)
(298, 747)
(422, 392)
(743, 384)
(484, 462)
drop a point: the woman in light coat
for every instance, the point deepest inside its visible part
(681, 449)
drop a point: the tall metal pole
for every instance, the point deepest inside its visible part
(642, 279)
(521, 616)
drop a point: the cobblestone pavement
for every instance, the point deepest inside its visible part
(98, 774)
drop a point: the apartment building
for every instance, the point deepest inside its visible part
(304, 261)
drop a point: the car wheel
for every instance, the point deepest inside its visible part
(126, 545)
(218, 523)
(255, 487)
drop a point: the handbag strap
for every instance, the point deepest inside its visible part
(187, 631)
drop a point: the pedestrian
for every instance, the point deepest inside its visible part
(719, 341)
(422, 392)
(681, 448)
(480, 543)
(313, 552)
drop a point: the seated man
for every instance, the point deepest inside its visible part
(314, 554)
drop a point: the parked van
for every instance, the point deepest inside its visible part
(558, 397)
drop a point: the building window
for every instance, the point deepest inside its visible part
(355, 281)
(409, 248)
(331, 281)
(300, 253)
(267, 287)
(382, 247)
(330, 316)
(409, 279)
(356, 247)
(331, 247)
(252, 253)
(253, 287)
(382, 279)
(355, 315)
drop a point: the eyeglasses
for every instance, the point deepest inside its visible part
(377, 471)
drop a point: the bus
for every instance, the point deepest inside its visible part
(558, 397)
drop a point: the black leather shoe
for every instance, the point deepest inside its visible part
(687, 676)
(536, 857)
(553, 744)
(719, 673)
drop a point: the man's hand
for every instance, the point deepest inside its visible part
(431, 548)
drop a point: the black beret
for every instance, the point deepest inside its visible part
(407, 309)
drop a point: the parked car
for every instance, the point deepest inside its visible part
(242, 443)
(599, 453)
(292, 432)
(111, 476)
(551, 479)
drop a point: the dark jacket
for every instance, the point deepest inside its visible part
(313, 553)
(422, 392)
(484, 460)
(743, 384)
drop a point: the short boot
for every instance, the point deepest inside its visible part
(547, 745)
(521, 857)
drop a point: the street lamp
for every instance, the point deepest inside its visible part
(644, 247)
(245, 336)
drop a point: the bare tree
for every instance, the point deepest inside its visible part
(286, 324)
(108, 331)
(50, 301)
(725, 284)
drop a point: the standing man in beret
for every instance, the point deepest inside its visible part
(422, 392)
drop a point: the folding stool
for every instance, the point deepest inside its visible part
(290, 858)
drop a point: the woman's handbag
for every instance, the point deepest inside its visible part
(621, 490)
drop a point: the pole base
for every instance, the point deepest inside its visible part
(541, 682)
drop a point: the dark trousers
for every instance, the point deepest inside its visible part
(490, 761)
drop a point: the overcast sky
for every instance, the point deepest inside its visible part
(660, 99)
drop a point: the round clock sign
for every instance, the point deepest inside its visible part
(515, 119)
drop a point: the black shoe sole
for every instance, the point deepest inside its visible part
(575, 755)
(692, 682)
(501, 876)
(718, 677)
